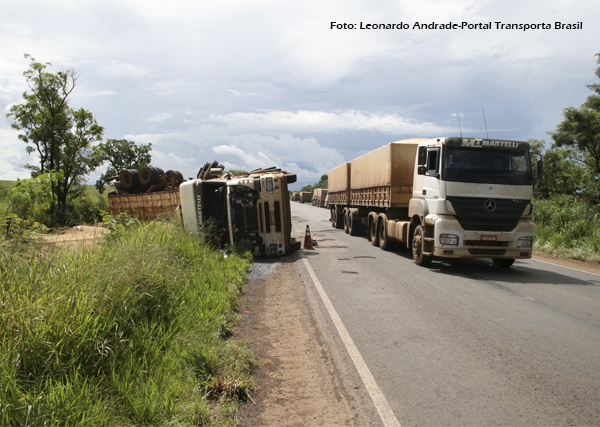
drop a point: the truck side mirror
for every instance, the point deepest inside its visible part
(422, 170)
(539, 170)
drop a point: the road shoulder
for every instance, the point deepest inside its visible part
(297, 379)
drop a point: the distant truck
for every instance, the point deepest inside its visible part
(305, 197)
(319, 197)
(446, 197)
(251, 210)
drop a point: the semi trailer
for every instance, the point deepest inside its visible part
(449, 197)
(319, 196)
(251, 210)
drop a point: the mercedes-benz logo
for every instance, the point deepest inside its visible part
(489, 205)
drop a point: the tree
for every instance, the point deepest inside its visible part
(61, 137)
(323, 182)
(563, 172)
(581, 130)
(120, 155)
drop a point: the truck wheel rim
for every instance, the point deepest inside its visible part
(417, 246)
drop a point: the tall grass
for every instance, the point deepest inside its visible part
(130, 332)
(568, 227)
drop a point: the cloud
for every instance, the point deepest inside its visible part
(306, 121)
(115, 70)
(237, 93)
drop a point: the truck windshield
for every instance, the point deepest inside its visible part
(486, 166)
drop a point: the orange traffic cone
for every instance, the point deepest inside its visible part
(307, 239)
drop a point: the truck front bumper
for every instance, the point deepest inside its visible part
(515, 244)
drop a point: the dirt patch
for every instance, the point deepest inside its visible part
(80, 235)
(297, 380)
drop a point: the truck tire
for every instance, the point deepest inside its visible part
(149, 175)
(417, 248)
(337, 220)
(129, 179)
(373, 232)
(354, 227)
(385, 242)
(346, 220)
(503, 262)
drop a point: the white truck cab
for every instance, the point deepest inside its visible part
(473, 198)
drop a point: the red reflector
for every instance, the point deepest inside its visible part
(272, 217)
(489, 237)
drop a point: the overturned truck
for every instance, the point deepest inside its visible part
(251, 210)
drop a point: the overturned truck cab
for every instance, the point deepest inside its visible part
(251, 210)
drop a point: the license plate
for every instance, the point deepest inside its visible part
(489, 238)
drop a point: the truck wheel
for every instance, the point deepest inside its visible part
(333, 217)
(373, 232)
(353, 226)
(339, 221)
(503, 262)
(417, 248)
(346, 220)
(130, 180)
(385, 242)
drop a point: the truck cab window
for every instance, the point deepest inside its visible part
(422, 159)
(433, 161)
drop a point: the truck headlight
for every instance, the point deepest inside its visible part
(269, 184)
(525, 242)
(449, 239)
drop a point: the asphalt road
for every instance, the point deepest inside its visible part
(467, 343)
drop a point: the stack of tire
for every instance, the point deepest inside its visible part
(134, 181)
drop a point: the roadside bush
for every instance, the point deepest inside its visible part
(112, 334)
(569, 227)
(86, 209)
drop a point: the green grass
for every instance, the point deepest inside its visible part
(134, 331)
(568, 227)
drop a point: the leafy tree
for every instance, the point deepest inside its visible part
(580, 130)
(120, 155)
(563, 171)
(31, 198)
(322, 182)
(60, 136)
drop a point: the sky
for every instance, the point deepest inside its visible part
(301, 85)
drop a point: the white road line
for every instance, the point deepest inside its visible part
(385, 412)
(564, 266)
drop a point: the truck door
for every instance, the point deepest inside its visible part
(431, 181)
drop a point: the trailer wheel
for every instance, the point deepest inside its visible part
(385, 242)
(333, 217)
(130, 180)
(346, 220)
(373, 232)
(354, 227)
(339, 220)
(503, 262)
(417, 248)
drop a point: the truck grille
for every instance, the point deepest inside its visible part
(500, 215)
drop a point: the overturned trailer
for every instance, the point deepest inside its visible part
(146, 194)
